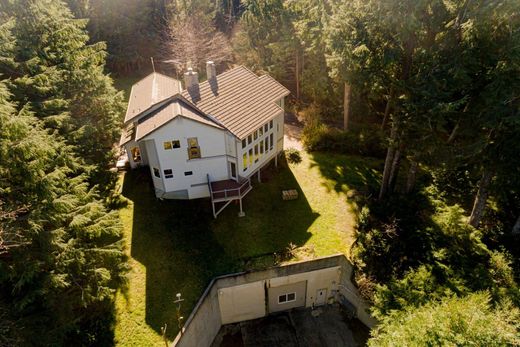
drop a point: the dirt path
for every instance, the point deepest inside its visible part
(292, 132)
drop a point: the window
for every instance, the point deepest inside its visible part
(251, 156)
(156, 172)
(266, 128)
(136, 154)
(255, 135)
(261, 131)
(256, 153)
(168, 173)
(261, 147)
(271, 138)
(249, 139)
(193, 148)
(188, 173)
(284, 298)
(271, 124)
(244, 143)
(266, 144)
(172, 144)
(244, 159)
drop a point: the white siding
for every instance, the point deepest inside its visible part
(153, 161)
(213, 161)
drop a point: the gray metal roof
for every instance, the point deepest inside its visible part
(150, 90)
(239, 99)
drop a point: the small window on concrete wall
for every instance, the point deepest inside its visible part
(168, 173)
(284, 298)
(188, 173)
(193, 148)
(156, 172)
(167, 145)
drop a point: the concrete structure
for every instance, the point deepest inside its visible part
(250, 295)
(222, 130)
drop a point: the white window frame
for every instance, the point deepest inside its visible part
(286, 296)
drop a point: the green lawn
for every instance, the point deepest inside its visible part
(177, 246)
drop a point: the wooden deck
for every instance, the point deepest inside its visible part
(226, 191)
(229, 190)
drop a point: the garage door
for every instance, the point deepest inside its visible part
(287, 296)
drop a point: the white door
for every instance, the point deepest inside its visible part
(321, 297)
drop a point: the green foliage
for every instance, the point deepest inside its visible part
(71, 258)
(293, 156)
(467, 321)
(60, 77)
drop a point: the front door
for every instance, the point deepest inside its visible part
(321, 297)
(233, 169)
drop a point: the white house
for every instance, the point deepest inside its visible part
(209, 139)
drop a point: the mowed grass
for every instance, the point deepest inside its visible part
(177, 246)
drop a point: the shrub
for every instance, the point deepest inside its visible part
(363, 141)
(293, 156)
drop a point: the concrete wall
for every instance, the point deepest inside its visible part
(243, 302)
(299, 290)
(238, 297)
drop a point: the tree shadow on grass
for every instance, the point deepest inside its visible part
(354, 176)
(183, 247)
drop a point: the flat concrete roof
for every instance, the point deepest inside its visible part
(325, 326)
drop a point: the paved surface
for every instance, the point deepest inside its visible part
(323, 327)
(292, 132)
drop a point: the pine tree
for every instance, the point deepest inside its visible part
(61, 77)
(71, 259)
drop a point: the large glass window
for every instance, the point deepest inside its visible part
(251, 156)
(244, 161)
(272, 142)
(244, 143)
(256, 153)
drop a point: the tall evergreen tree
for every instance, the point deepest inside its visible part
(61, 77)
(70, 261)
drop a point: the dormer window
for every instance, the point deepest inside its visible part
(193, 148)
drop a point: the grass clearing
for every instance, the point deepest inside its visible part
(177, 246)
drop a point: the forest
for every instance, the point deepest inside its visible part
(431, 88)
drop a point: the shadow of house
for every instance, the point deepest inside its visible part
(183, 247)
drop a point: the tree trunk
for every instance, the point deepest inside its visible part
(516, 227)
(412, 173)
(394, 172)
(390, 153)
(346, 106)
(388, 108)
(480, 198)
(454, 132)
(297, 75)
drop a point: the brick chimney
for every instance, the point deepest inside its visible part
(211, 70)
(191, 78)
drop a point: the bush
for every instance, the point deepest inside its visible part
(363, 141)
(293, 156)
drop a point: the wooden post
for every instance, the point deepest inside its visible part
(241, 213)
